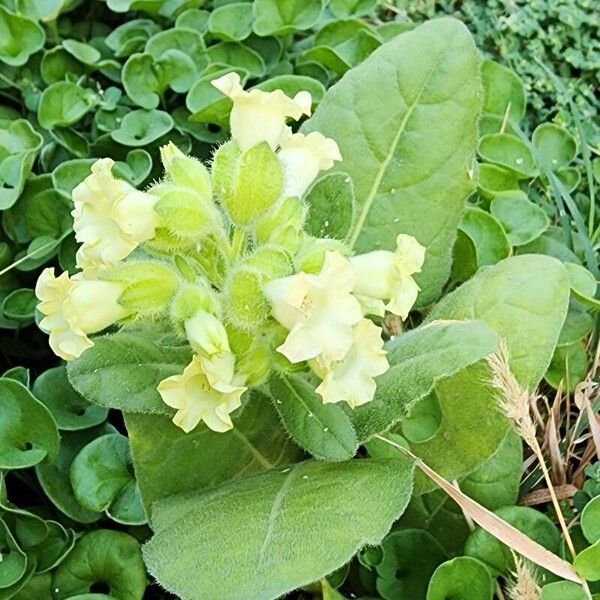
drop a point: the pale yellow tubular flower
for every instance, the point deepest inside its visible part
(303, 157)
(110, 218)
(206, 334)
(207, 390)
(75, 307)
(319, 310)
(351, 379)
(388, 275)
(259, 116)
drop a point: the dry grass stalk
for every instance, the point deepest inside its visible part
(523, 585)
(514, 401)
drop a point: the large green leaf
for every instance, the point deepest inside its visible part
(418, 359)
(524, 299)
(168, 461)
(122, 371)
(416, 97)
(266, 535)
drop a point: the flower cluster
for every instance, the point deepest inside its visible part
(222, 255)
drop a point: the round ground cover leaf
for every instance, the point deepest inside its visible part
(351, 8)
(568, 368)
(496, 482)
(330, 207)
(70, 410)
(122, 371)
(292, 84)
(462, 577)
(20, 306)
(20, 37)
(64, 103)
(54, 477)
(231, 22)
(102, 479)
(71, 173)
(28, 432)
(522, 220)
(424, 420)
(555, 145)
(142, 127)
(282, 529)
(410, 556)
(19, 145)
(237, 56)
(325, 430)
(590, 520)
(587, 563)
(103, 556)
(281, 17)
(486, 233)
(508, 151)
(563, 590)
(503, 91)
(577, 325)
(421, 93)
(497, 556)
(13, 561)
(494, 179)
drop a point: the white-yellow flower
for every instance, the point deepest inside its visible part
(319, 310)
(351, 379)
(259, 116)
(74, 308)
(110, 218)
(206, 334)
(207, 390)
(388, 275)
(302, 157)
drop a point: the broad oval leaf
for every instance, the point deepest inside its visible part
(418, 95)
(462, 577)
(122, 371)
(286, 528)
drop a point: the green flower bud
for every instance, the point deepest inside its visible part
(191, 299)
(255, 355)
(283, 225)
(247, 183)
(312, 255)
(187, 215)
(149, 286)
(271, 261)
(186, 171)
(245, 304)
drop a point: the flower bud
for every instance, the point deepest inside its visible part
(186, 171)
(245, 304)
(254, 354)
(283, 225)
(271, 261)
(206, 334)
(187, 215)
(192, 298)
(247, 182)
(149, 286)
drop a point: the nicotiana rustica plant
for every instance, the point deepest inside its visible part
(222, 254)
